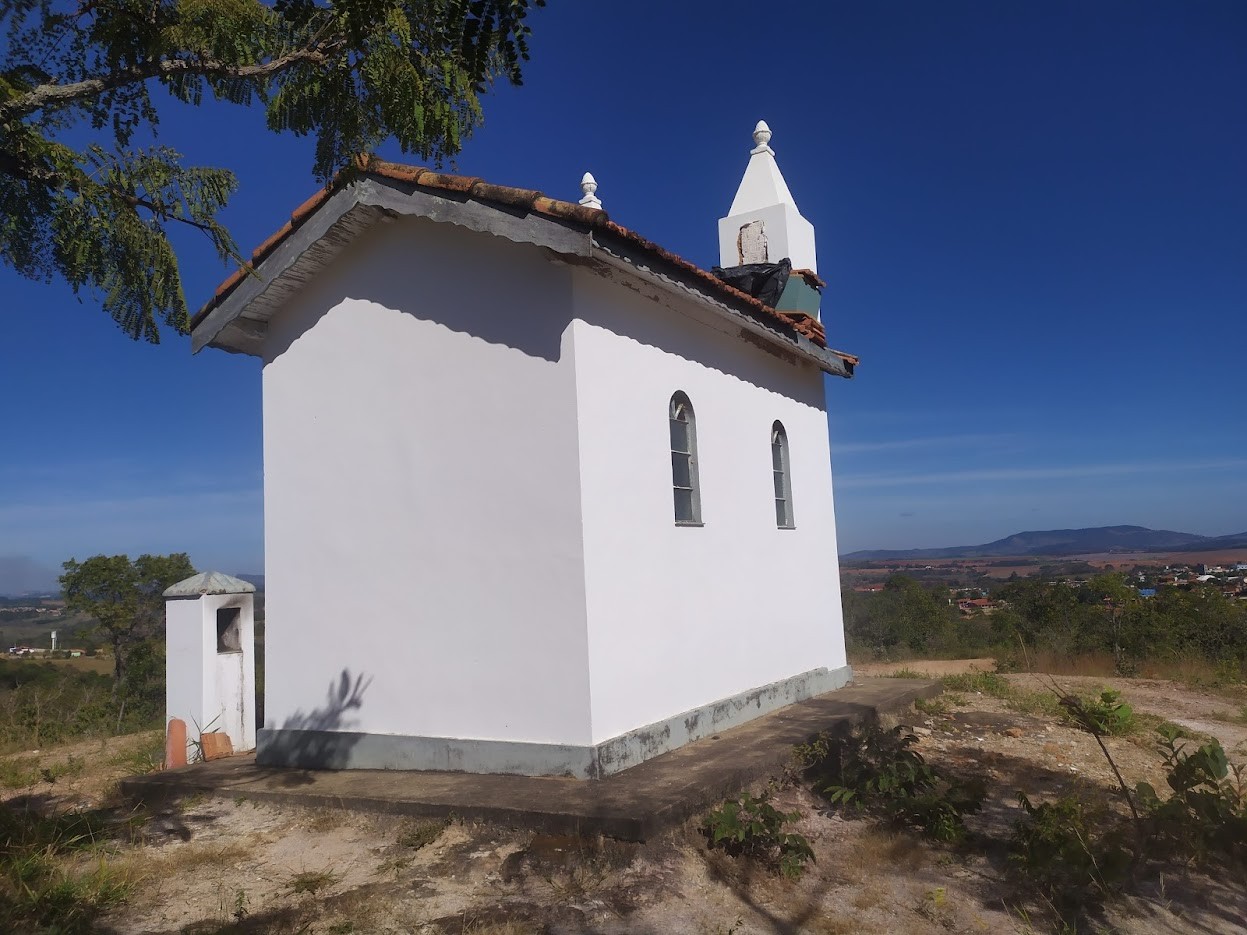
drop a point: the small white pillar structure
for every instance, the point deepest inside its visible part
(763, 225)
(210, 665)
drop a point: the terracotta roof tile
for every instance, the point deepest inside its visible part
(810, 277)
(300, 214)
(595, 219)
(264, 249)
(504, 194)
(222, 291)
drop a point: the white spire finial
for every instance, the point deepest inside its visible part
(589, 185)
(764, 211)
(761, 137)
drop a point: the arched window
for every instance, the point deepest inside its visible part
(684, 461)
(781, 470)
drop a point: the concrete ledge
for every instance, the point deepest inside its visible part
(634, 804)
(316, 749)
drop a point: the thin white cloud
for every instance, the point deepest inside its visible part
(1054, 472)
(930, 441)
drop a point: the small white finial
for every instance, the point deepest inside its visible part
(761, 137)
(589, 185)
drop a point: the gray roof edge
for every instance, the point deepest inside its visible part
(634, 263)
(394, 197)
(209, 582)
(281, 259)
(568, 238)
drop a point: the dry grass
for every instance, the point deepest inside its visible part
(469, 923)
(321, 820)
(187, 858)
(1093, 665)
(1193, 672)
(418, 834)
(311, 882)
(835, 923)
(880, 853)
(870, 897)
(500, 928)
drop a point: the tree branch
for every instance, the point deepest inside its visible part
(16, 168)
(55, 95)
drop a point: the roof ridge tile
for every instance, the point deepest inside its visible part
(532, 200)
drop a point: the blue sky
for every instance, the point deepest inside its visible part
(1032, 216)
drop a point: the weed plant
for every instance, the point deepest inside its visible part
(750, 826)
(875, 770)
(1077, 860)
(40, 887)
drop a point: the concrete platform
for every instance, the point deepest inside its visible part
(632, 805)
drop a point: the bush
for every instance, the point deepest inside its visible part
(1055, 848)
(1105, 714)
(878, 770)
(42, 704)
(1077, 860)
(1207, 813)
(750, 826)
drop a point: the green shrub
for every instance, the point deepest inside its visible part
(937, 707)
(1055, 848)
(750, 826)
(1105, 714)
(1207, 812)
(17, 772)
(878, 770)
(1077, 860)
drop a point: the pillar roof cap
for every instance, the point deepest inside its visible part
(209, 582)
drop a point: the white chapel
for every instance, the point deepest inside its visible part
(540, 496)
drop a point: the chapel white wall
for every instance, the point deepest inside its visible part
(683, 616)
(424, 573)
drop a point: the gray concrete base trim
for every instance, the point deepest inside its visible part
(320, 749)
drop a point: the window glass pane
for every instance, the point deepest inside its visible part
(681, 475)
(777, 456)
(781, 513)
(781, 489)
(679, 436)
(684, 506)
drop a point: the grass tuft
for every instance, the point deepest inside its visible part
(40, 887)
(311, 882)
(420, 834)
(905, 672)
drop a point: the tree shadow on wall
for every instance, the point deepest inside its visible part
(316, 739)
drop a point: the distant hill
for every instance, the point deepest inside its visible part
(257, 580)
(20, 574)
(1069, 542)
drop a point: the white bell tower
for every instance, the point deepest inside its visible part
(763, 225)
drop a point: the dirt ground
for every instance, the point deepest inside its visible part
(216, 866)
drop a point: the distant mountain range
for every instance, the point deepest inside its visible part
(21, 575)
(1069, 542)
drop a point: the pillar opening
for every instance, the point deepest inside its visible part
(229, 630)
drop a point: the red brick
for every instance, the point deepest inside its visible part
(216, 745)
(175, 744)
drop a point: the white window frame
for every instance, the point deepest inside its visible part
(686, 498)
(781, 476)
